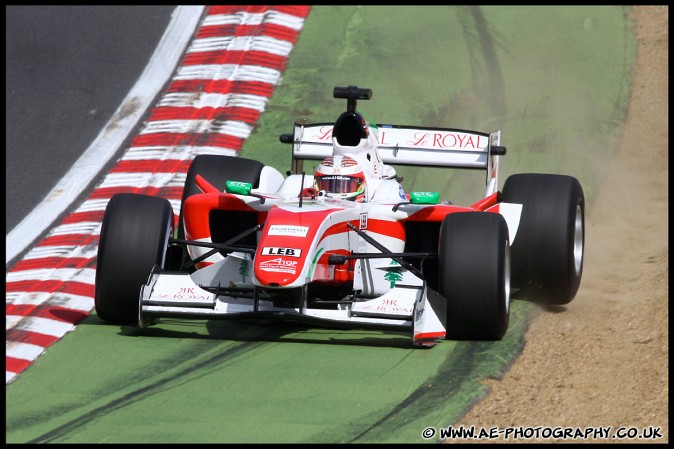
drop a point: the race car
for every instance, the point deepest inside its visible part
(346, 246)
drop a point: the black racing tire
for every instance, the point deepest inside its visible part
(217, 170)
(474, 275)
(548, 250)
(134, 238)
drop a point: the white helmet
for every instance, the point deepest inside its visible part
(341, 177)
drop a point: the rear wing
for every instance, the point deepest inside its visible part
(405, 145)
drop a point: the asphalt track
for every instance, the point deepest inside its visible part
(199, 382)
(68, 69)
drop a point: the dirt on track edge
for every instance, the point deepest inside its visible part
(603, 360)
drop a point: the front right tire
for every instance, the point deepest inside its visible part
(134, 238)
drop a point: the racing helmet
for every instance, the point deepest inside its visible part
(341, 177)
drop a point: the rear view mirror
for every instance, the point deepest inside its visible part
(240, 188)
(425, 197)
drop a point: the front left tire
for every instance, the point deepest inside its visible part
(474, 275)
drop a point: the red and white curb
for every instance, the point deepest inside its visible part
(211, 105)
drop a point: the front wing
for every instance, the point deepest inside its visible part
(409, 308)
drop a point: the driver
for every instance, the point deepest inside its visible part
(355, 166)
(341, 177)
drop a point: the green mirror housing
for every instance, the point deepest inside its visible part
(238, 187)
(425, 197)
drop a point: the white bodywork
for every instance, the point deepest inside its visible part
(385, 294)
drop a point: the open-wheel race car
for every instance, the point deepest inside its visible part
(345, 246)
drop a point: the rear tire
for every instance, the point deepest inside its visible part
(217, 170)
(474, 275)
(134, 238)
(547, 252)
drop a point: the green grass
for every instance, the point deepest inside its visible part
(553, 79)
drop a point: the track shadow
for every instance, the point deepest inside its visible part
(519, 295)
(267, 331)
